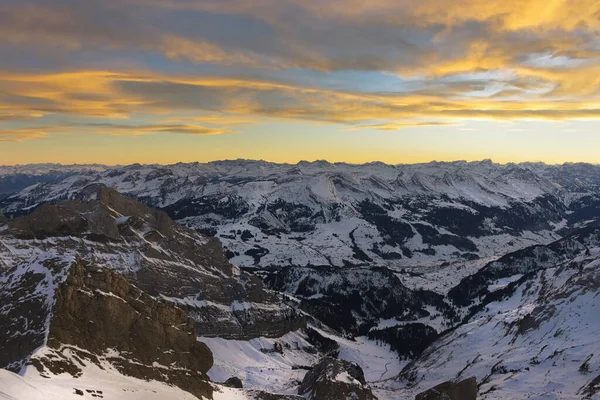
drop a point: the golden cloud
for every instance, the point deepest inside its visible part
(78, 95)
(19, 135)
(430, 37)
(124, 129)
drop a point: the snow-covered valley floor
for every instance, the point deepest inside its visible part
(261, 367)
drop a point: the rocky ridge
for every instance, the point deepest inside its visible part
(162, 258)
(463, 390)
(335, 380)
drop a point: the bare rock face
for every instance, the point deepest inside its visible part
(49, 220)
(91, 213)
(244, 322)
(25, 301)
(463, 390)
(592, 388)
(98, 314)
(335, 379)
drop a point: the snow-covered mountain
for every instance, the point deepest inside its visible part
(17, 177)
(272, 215)
(49, 168)
(102, 282)
(417, 274)
(533, 327)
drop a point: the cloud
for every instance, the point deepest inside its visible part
(433, 37)
(22, 116)
(76, 26)
(394, 126)
(219, 102)
(21, 134)
(544, 46)
(430, 37)
(213, 119)
(203, 66)
(124, 129)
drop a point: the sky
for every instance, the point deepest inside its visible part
(398, 81)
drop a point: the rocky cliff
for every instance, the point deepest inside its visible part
(100, 318)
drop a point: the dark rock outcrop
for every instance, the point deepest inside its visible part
(99, 314)
(49, 220)
(245, 321)
(592, 388)
(234, 382)
(463, 390)
(262, 395)
(352, 300)
(91, 213)
(323, 344)
(334, 379)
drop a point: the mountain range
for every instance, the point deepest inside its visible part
(416, 274)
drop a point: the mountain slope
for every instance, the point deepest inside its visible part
(164, 259)
(533, 333)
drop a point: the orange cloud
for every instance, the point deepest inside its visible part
(464, 36)
(123, 129)
(108, 94)
(19, 135)
(79, 95)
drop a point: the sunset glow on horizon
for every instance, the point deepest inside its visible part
(166, 81)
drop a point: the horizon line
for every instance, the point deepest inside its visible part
(480, 161)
